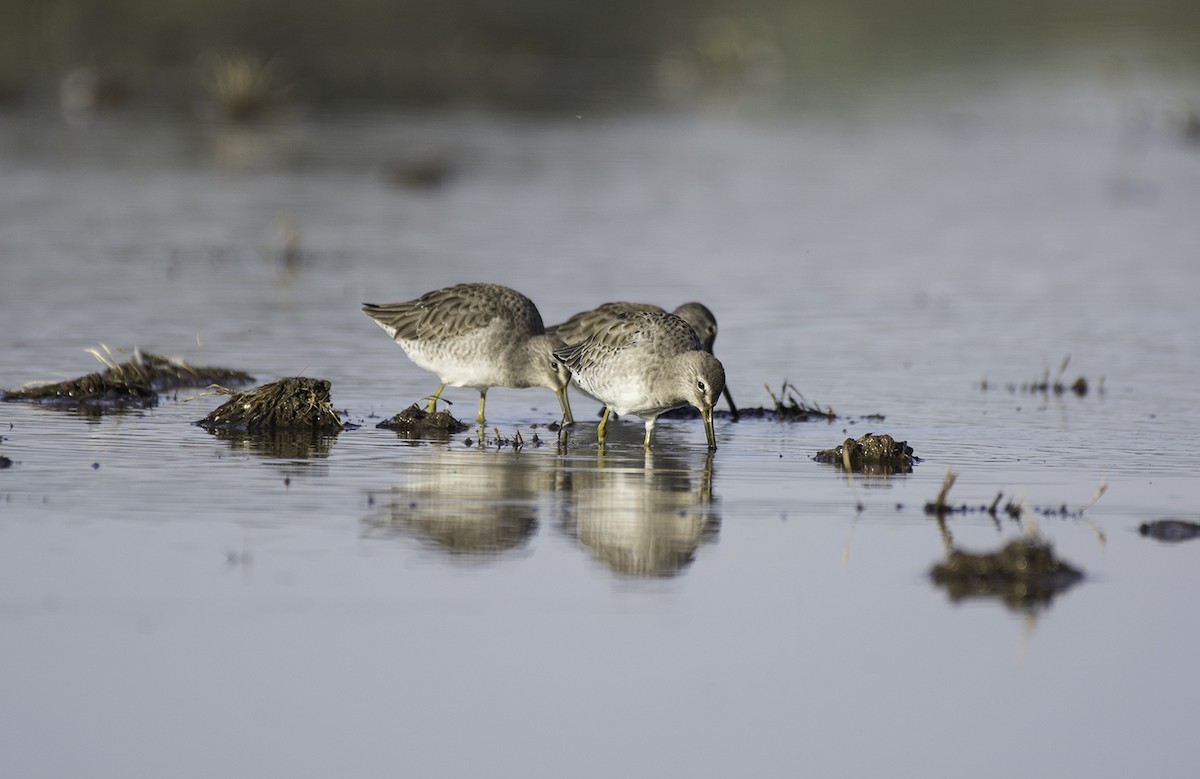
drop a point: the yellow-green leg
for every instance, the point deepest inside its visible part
(482, 398)
(649, 431)
(600, 429)
(432, 407)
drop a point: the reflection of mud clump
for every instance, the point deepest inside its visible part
(295, 403)
(874, 454)
(417, 422)
(133, 383)
(280, 443)
(1170, 530)
(1024, 574)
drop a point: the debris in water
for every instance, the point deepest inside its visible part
(1045, 386)
(294, 403)
(789, 406)
(416, 422)
(1170, 530)
(1013, 508)
(872, 454)
(938, 505)
(134, 383)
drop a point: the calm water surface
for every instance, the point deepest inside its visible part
(175, 604)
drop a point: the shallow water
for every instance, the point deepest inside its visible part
(177, 604)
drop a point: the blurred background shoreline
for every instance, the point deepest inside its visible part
(248, 61)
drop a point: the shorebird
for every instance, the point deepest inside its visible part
(698, 315)
(646, 363)
(479, 336)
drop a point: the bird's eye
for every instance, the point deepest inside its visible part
(700, 384)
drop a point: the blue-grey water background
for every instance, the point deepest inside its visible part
(175, 604)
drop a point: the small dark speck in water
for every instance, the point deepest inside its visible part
(95, 466)
(5, 462)
(287, 481)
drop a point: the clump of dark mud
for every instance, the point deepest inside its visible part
(1024, 573)
(134, 383)
(294, 403)
(871, 454)
(1044, 385)
(789, 406)
(416, 422)
(1170, 530)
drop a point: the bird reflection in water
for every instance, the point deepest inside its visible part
(470, 504)
(643, 513)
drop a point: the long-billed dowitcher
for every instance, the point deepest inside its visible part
(698, 315)
(646, 363)
(479, 336)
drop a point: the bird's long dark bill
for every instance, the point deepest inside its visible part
(708, 427)
(566, 405)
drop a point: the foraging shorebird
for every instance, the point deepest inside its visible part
(646, 363)
(698, 315)
(479, 336)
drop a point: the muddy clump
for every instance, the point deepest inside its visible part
(416, 422)
(1024, 574)
(789, 406)
(294, 403)
(1170, 530)
(134, 383)
(872, 454)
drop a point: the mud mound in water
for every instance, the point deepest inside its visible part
(870, 453)
(416, 422)
(294, 403)
(135, 383)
